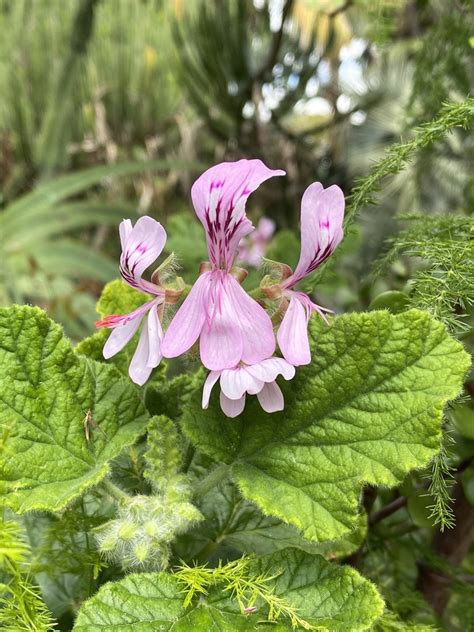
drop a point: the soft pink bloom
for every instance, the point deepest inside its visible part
(257, 379)
(322, 213)
(141, 245)
(231, 326)
(252, 248)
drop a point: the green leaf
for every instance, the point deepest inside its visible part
(233, 522)
(48, 458)
(367, 410)
(325, 595)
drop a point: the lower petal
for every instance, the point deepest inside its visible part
(293, 334)
(236, 382)
(257, 328)
(187, 324)
(139, 370)
(208, 386)
(268, 370)
(120, 336)
(271, 398)
(155, 336)
(232, 407)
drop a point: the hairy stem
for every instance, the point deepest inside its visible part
(114, 491)
(212, 479)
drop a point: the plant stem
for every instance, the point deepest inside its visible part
(452, 545)
(114, 491)
(214, 477)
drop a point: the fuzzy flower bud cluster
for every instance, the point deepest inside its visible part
(140, 537)
(237, 338)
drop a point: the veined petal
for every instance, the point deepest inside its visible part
(322, 213)
(256, 326)
(232, 407)
(139, 371)
(155, 336)
(219, 196)
(208, 386)
(141, 246)
(188, 321)
(293, 334)
(271, 398)
(268, 370)
(125, 229)
(120, 336)
(221, 342)
(236, 382)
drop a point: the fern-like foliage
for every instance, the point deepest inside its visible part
(453, 114)
(21, 607)
(241, 584)
(444, 283)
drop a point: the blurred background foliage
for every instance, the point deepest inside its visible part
(111, 108)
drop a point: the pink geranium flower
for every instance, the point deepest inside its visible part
(141, 246)
(322, 213)
(252, 248)
(257, 379)
(229, 324)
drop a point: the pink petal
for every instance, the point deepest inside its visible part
(187, 324)
(322, 213)
(125, 229)
(236, 382)
(120, 336)
(271, 398)
(219, 196)
(266, 228)
(257, 328)
(155, 336)
(293, 334)
(139, 370)
(221, 342)
(141, 246)
(268, 370)
(232, 407)
(208, 386)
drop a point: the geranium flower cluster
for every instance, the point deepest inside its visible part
(237, 336)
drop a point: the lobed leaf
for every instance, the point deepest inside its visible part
(367, 410)
(326, 596)
(50, 456)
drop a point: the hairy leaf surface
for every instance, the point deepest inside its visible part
(367, 409)
(324, 595)
(50, 453)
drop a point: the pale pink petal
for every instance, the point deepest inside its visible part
(120, 336)
(221, 341)
(322, 214)
(155, 336)
(271, 398)
(257, 328)
(208, 386)
(293, 334)
(266, 228)
(219, 196)
(139, 370)
(187, 324)
(232, 407)
(268, 370)
(236, 382)
(143, 245)
(125, 229)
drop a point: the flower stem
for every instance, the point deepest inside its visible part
(214, 477)
(114, 491)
